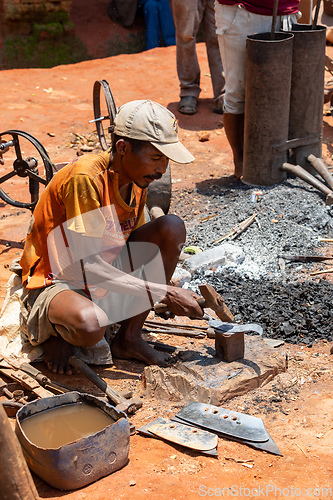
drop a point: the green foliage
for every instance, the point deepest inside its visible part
(51, 43)
(48, 46)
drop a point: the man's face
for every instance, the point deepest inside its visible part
(143, 166)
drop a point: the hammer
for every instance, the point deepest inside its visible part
(122, 404)
(210, 298)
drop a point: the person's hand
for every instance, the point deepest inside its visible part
(183, 302)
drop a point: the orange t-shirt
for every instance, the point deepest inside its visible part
(82, 199)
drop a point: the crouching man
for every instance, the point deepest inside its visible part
(90, 259)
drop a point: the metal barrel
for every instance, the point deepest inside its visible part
(307, 88)
(267, 99)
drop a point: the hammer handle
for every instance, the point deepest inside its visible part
(114, 396)
(162, 308)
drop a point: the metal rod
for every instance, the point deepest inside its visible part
(315, 19)
(99, 119)
(7, 176)
(172, 325)
(275, 9)
(5, 145)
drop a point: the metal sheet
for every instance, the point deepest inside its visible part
(268, 446)
(227, 422)
(230, 328)
(180, 433)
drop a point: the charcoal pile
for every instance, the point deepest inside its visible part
(291, 220)
(298, 312)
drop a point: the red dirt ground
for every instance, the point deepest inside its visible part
(51, 104)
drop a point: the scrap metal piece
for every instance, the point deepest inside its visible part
(180, 433)
(226, 422)
(235, 327)
(305, 258)
(268, 446)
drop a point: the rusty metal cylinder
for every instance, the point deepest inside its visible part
(267, 99)
(307, 89)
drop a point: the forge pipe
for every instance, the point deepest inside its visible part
(322, 170)
(310, 179)
(306, 97)
(267, 103)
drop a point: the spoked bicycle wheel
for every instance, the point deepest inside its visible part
(104, 110)
(31, 166)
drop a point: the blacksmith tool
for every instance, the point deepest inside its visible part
(175, 331)
(121, 404)
(305, 258)
(228, 346)
(229, 338)
(44, 381)
(23, 379)
(210, 298)
(185, 326)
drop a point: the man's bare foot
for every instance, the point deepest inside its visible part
(136, 348)
(57, 353)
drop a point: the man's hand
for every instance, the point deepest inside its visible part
(182, 302)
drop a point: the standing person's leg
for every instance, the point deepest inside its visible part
(150, 9)
(166, 23)
(213, 54)
(234, 24)
(187, 21)
(234, 130)
(169, 234)
(232, 33)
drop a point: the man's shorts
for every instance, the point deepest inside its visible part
(35, 324)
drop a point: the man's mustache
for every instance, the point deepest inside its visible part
(155, 177)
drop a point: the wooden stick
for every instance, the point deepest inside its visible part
(330, 270)
(236, 228)
(329, 240)
(243, 228)
(204, 219)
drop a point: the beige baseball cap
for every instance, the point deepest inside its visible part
(152, 122)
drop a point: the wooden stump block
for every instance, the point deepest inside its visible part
(201, 376)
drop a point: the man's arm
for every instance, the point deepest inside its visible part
(180, 301)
